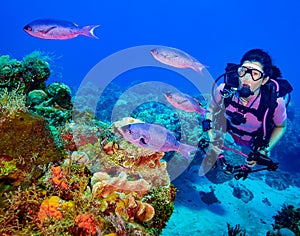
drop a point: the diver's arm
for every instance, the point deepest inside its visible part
(276, 135)
(280, 121)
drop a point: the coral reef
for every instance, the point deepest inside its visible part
(27, 146)
(77, 200)
(28, 74)
(288, 217)
(25, 80)
(103, 185)
(54, 104)
(11, 103)
(64, 172)
(86, 222)
(235, 231)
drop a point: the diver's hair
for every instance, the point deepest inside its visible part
(265, 60)
(276, 73)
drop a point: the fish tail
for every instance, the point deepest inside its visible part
(198, 67)
(89, 31)
(185, 150)
(202, 112)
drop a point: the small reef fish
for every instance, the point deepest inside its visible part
(185, 102)
(58, 29)
(156, 138)
(176, 58)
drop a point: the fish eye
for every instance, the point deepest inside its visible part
(143, 141)
(153, 51)
(27, 27)
(128, 131)
(168, 94)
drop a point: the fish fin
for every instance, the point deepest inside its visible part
(185, 150)
(143, 141)
(183, 101)
(48, 30)
(196, 100)
(89, 31)
(203, 111)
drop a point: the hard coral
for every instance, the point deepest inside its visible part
(50, 208)
(162, 199)
(145, 212)
(103, 185)
(57, 178)
(11, 104)
(288, 217)
(131, 209)
(54, 208)
(7, 166)
(28, 141)
(56, 107)
(87, 223)
(27, 74)
(111, 148)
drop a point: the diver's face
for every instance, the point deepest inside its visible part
(252, 75)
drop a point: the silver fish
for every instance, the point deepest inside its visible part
(176, 58)
(185, 102)
(156, 138)
(58, 29)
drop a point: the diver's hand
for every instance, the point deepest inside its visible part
(252, 163)
(265, 152)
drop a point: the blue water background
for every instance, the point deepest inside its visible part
(214, 32)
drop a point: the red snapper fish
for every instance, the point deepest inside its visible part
(176, 58)
(185, 102)
(156, 138)
(58, 29)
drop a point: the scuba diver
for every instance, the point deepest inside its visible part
(250, 108)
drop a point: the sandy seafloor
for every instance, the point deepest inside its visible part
(192, 216)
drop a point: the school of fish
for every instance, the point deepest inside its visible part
(151, 136)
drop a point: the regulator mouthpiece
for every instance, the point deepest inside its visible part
(245, 91)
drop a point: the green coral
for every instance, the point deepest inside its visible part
(27, 74)
(9, 69)
(36, 97)
(7, 167)
(54, 104)
(236, 230)
(162, 199)
(28, 78)
(288, 217)
(11, 103)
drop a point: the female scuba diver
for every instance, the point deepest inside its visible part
(249, 107)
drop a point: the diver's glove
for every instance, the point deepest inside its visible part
(261, 159)
(251, 162)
